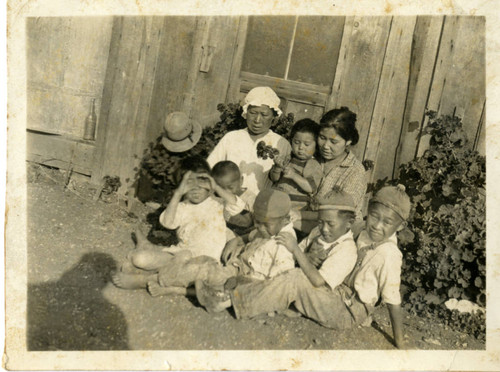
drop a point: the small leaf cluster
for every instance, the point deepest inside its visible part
(159, 165)
(111, 184)
(264, 151)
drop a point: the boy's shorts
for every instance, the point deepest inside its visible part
(183, 271)
(358, 309)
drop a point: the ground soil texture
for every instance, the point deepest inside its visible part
(74, 243)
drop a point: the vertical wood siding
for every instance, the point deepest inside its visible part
(66, 65)
(128, 94)
(389, 71)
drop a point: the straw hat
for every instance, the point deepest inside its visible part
(181, 133)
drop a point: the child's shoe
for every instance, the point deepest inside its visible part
(213, 300)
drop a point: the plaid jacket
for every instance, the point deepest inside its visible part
(350, 176)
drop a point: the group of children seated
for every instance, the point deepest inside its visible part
(240, 249)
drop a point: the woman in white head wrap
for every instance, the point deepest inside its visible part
(261, 110)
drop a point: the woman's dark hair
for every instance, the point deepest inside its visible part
(195, 164)
(343, 121)
(305, 126)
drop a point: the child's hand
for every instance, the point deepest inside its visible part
(281, 161)
(288, 240)
(232, 249)
(315, 259)
(288, 172)
(213, 184)
(186, 184)
(316, 254)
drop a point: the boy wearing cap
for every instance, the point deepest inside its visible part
(262, 255)
(325, 258)
(261, 110)
(255, 257)
(377, 274)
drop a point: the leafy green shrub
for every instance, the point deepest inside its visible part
(158, 165)
(447, 258)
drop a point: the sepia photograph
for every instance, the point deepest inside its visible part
(282, 186)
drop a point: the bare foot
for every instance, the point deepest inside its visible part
(142, 241)
(131, 281)
(156, 290)
(129, 268)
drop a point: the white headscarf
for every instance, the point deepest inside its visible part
(259, 96)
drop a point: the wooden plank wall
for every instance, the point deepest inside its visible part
(66, 65)
(359, 69)
(179, 84)
(128, 92)
(389, 71)
(176, 50)
(458, 84)
(426, 37)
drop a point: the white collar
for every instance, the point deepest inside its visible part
(346, 236)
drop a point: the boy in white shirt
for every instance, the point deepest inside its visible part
(377, 274)
(199, 219)
(257, 256)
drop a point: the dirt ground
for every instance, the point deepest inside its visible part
(74, 243)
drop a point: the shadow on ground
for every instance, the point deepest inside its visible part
(72, 314)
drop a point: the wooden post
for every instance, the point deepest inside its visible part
(423, 59)
(479, 144)
(234, 77)
(200, 36)
(389, 106)
(127, 96)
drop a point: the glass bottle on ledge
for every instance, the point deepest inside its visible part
(90, 123)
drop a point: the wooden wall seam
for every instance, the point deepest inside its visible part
(234, 75)
(373, 107)
(388, 112)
